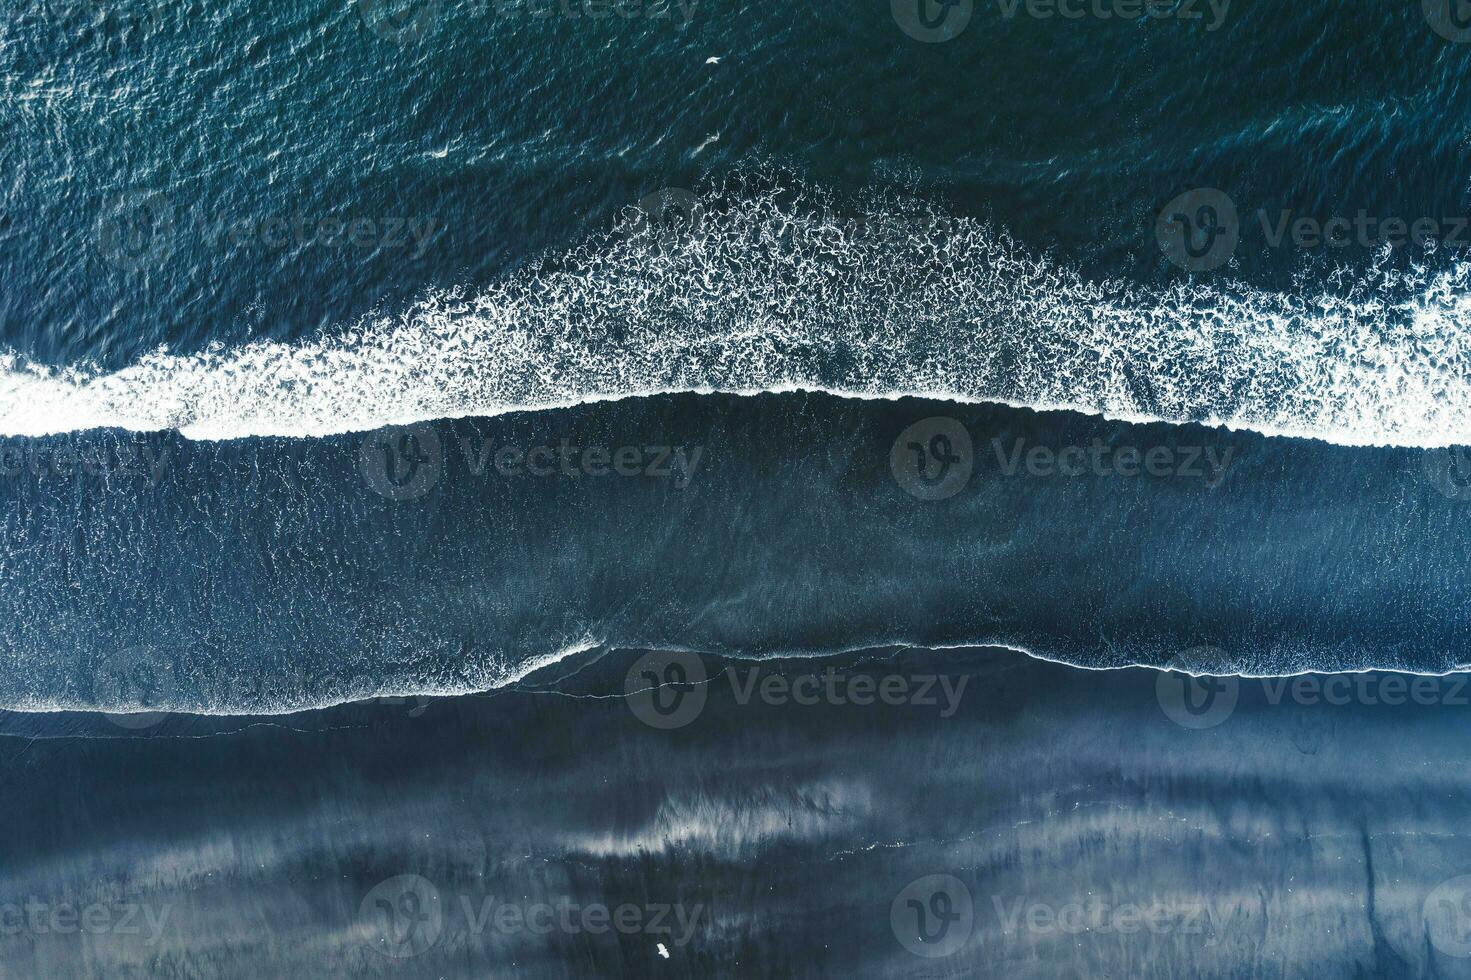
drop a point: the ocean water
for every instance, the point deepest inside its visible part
(1047, 821)
(269, 574)
(524, 361)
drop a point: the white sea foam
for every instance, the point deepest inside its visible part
(773, 291)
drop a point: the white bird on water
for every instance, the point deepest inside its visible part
(712, 60)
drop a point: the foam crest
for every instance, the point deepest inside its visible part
(775, 290)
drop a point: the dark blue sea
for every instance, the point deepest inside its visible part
(633, 488)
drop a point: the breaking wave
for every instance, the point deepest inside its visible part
(782, 289)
